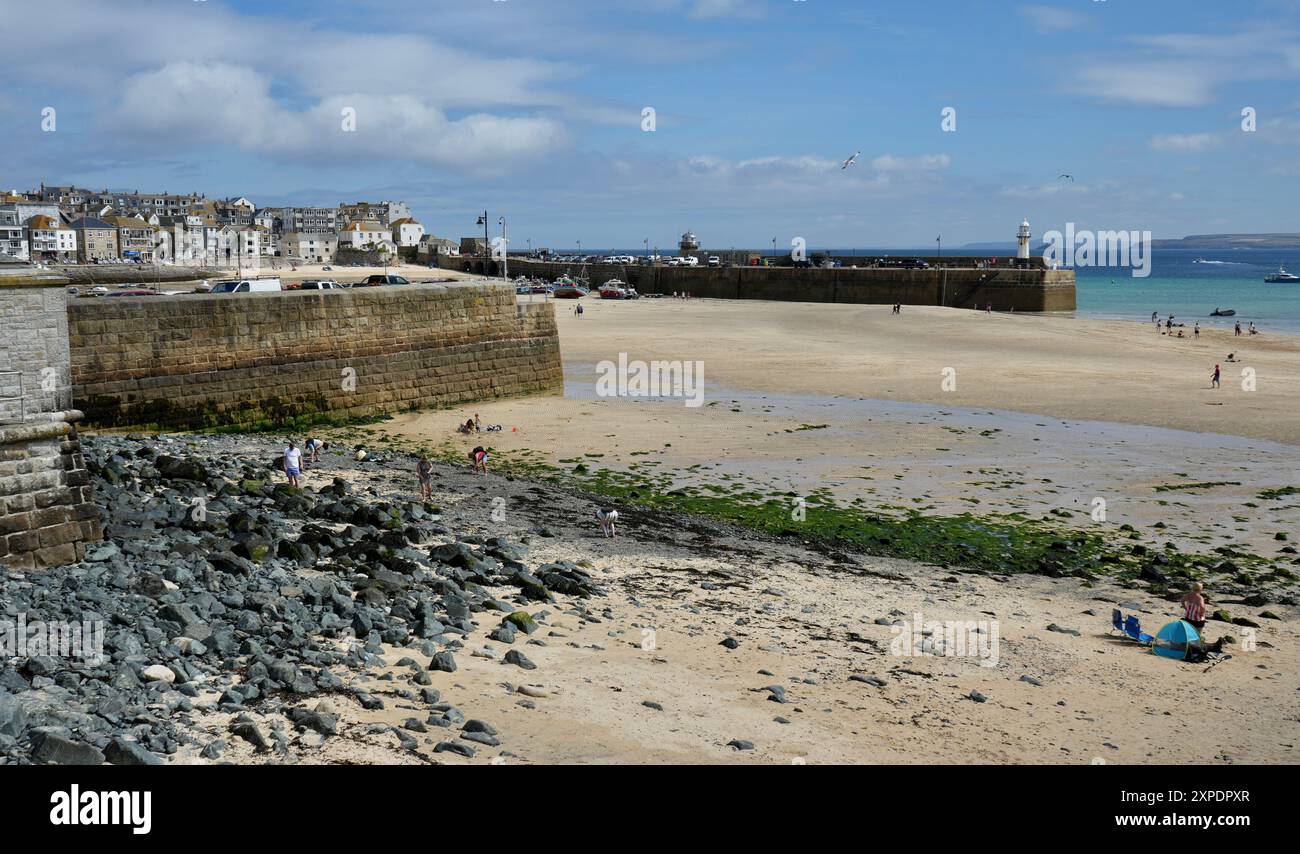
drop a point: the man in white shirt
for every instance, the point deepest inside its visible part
(293, 464)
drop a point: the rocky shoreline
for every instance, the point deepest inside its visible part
(221, 589)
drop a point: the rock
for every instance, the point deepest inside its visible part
(52, 749)
(443, 661)
(1031, 680)
(870, 680)
(123, 752)
(977, 696)
(476, 725)
(158, 673)
(776, 693)
(740, 744)
(454, 747)
(516, 657)
(729, 643)
(172, 468)
(248, 731)
(651, 704)
(523, 621)
(1053, 627)
(13, 717)
(533, 691)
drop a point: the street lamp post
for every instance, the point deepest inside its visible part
(939, 240)
(773, 251)
(505, 249)
(483, 221)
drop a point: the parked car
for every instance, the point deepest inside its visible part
(319, 285)
(690, 261)
(245, 286)
(715, 261)
(378, 279)
(135, 292)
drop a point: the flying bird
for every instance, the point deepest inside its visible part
(854, 159)
(1065, 175)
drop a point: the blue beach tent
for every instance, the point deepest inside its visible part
(1174, 640)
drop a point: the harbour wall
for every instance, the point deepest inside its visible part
(263, 359)
(47, 514)
(1004, 287)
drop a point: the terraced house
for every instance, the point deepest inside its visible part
(96, 239)
(48, 239)
(134, 237)
(13, 242)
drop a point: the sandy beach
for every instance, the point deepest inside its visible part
(1049, 413)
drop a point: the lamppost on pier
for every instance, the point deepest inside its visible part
(483, 221)
(505, 249)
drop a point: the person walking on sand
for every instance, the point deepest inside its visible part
(424, 471)
(293, 464)
(1196, 330)
(1214, 380)
(1194, 608)
(479, 457)
(1237, 330)
(1155, 317)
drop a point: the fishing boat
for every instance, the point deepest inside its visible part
(1281, 276)
(567, 288)
(1223, 312)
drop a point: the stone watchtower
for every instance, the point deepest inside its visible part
(46, 514)
(689, 244)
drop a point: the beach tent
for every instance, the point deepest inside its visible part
(1174, 640)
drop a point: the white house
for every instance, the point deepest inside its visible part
(309, 247)
(359, 235)
(407, 232)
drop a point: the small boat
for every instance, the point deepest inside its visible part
(1223, 312)
(566, 288)
(1281, 276)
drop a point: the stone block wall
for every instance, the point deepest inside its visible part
(262, 359)
(46, 511)
(1007, 289)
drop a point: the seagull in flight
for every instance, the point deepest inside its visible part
(854, 159)
(1065, 175)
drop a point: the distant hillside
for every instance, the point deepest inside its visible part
(1278, 240)
(1232, 241)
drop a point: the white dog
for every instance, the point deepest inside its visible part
(607, 518)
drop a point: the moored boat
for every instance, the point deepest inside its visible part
(1281, 276)
(566, 288)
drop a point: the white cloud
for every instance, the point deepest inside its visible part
(703, 9)
(1184, 143)
(923, 163)
(227, 103)
(1050, 19)
(1161, 84)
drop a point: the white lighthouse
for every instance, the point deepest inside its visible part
(1022, 239)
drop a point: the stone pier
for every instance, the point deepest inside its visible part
(46, 512)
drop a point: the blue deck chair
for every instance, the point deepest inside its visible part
(1134, 630)
(1117, 620)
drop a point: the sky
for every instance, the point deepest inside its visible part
(1171, 116)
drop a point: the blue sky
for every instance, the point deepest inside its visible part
(533, 108)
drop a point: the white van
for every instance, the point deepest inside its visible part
(689, 261)
(246, 286)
